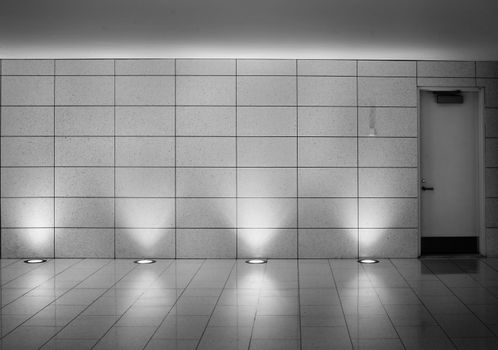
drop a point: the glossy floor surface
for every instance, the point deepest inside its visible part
(228, 304)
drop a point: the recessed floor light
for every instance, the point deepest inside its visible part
(35, 261)
(256, 261)
(144, 261)
(368, 261)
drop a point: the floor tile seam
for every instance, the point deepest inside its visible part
(11, 263)
(31, 289)
(263, 277)
(135, 299)
(486, 262)
(234, 266)
(426, 307)
(4, 286)
(176, 302)
(34, 268)
(340, 303)
(487, 288)
(53, 301)
(456, 296)
(361, 266)
(94, 300)
(299, 303)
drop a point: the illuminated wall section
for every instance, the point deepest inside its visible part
(221, 158)
(328, 158)
(144, 158)
(206, 158)
(27, 159)
(387, 163)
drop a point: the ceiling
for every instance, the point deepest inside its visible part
(362, 29)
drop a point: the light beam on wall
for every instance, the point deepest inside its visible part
(256, 241)
(145, 239)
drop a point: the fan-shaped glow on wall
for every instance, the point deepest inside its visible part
(367, 240)
(145, 240)
(38, 237)
(32, 231)
(23, 242)
(27, 212)
(257, 240)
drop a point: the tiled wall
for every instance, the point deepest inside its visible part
(487, 76)
(221, 158)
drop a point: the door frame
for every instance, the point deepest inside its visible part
(480, 139)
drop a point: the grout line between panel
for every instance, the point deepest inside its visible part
(175, 169)
(1, 165)
(419, 170)
(114, 156)
(246, 75)
(357, 168)
(240, 106)
(255, 75)
(297, 163)
(218, 228)
(215, 136)
(55, 172)
(211, 167)
(297, 212)
(236, 165)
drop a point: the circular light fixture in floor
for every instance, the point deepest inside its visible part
(144, 261)
(368, 261)
(35, 261)
(256, 261)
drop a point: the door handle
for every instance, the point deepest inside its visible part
(427, 188)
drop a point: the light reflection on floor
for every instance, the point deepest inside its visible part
(228, 304)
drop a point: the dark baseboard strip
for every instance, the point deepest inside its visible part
(450, 245)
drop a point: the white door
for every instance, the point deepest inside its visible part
(449, 166)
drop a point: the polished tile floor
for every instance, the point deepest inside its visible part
(228, 304)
